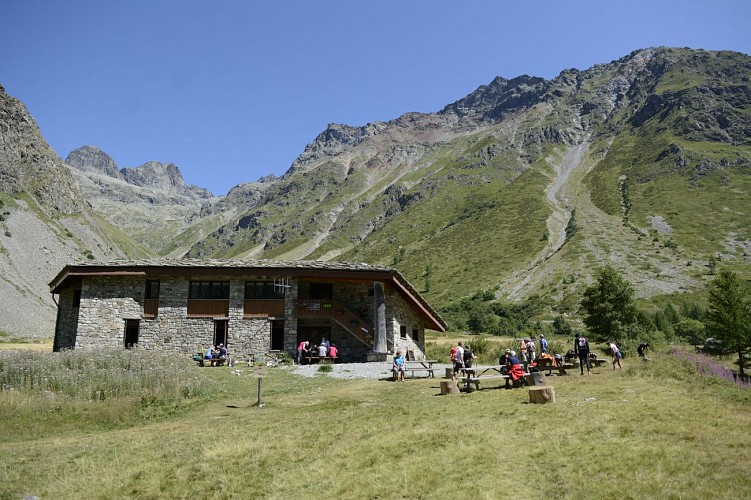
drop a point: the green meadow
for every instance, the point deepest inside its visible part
(165, 428)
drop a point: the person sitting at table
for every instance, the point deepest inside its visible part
(398, 367)
(503, 361)
(223, 356)
(516, 370)
(333, 351)
(322, 350)
(209, 355)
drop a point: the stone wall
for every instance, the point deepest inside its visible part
(67, 321)
(398, 314)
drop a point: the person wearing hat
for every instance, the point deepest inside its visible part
(223, 354)
(503, 361)
(516, 370)
(543, 344)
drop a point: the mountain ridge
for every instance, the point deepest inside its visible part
(522, 188)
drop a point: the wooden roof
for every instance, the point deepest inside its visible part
(73, 273)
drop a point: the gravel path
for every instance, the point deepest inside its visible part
(353, 371)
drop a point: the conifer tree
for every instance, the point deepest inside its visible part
(729, 317)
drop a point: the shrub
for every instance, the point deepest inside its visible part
(325, 369)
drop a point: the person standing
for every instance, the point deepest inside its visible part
(543, 344)
(531, 350)
(616, 353)
(523, 354)
(459, 359)
(302, 347)
(468, 356)
(581, 349)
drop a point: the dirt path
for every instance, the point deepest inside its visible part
(562, 189)
(603, 239)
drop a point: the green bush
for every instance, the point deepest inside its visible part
(325, 369)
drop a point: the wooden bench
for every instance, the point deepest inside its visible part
(599, 362)
(469, 381)
(208, 362)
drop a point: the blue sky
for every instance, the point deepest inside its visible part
(231, 91)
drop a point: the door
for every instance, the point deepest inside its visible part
(277, 335)
(221, 329)
(131, 332)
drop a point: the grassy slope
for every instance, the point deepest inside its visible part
(633, 433)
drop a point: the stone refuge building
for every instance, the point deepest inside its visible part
(251, 306)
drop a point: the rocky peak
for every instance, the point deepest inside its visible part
(335, 139)
(498, 98)
(93, 159)
(161, 176)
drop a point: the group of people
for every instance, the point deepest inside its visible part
(217, 355)
(462, 357)
(516, 366)
(325, 349)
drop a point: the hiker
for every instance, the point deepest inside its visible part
(459, 358)
(223, 356)
(398, 367)
(468, 356)
(640, 350)
(581, 349)
(333, 351)
(322, 350)
(531, 350)
(616, 353)
(523, 354)
(543, 345)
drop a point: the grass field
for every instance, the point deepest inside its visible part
(652, 430)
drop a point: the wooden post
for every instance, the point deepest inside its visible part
(449, 386)
(449, 373)
(541, 394)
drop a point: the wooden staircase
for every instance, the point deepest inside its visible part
(329, 308)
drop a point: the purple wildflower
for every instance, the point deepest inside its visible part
(708, 367)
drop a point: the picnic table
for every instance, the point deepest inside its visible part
(549, 365)
(477, 374)
(312, 360)
(424, 365)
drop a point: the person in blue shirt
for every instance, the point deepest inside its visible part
(399, 367)
(543, 344)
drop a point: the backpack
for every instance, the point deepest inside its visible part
(453, 354)
(467, 356)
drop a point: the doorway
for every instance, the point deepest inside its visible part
(132, 326)
(277, 335)
(221, 329)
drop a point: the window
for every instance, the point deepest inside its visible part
(403, 332)
(321, 291)
(152, 289)
(262, 290)
(76, 298)
(212, 290)
(415, 334)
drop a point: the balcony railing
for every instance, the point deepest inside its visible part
(208, 308)
(263, 308)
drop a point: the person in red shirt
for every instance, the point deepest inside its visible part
(333, 352)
